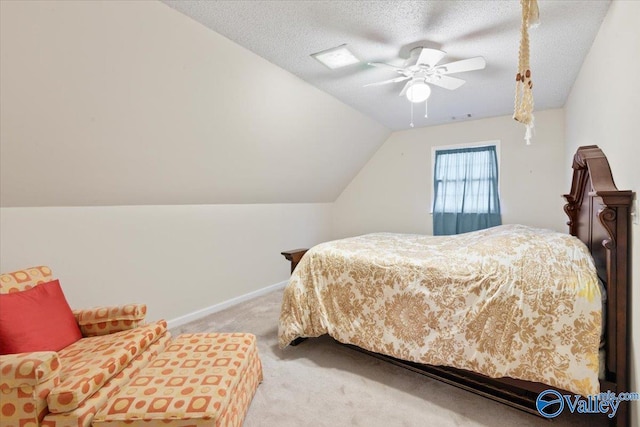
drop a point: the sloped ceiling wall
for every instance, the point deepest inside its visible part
(132, 103)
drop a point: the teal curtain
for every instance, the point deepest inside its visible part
(465, 188)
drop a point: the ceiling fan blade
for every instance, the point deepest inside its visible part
(430, 56)
(477, 63)
(384, 65)
(405, 88)
(397, 79)
(446, 82)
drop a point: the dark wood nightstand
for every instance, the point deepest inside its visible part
(294, 255)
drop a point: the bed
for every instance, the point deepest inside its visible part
(505, 312)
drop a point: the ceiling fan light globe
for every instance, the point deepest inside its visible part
(418, 92)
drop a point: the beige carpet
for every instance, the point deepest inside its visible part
(321, 383)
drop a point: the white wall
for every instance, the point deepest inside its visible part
(393, 191)
(603, 109)
(176, 259)
(132, 103)
(118, 104)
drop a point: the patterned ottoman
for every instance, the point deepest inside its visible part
(199, 380)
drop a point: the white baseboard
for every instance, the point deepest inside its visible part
(198, 314)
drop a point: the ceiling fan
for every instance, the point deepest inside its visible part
(426, 71)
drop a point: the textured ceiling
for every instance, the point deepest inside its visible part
(287, 32)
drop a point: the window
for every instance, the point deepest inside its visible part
(465, 190)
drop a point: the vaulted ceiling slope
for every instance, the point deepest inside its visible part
(128, 103)
(287, 32)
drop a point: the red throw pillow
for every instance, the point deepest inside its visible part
(38, 319)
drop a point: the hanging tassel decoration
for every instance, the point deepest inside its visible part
(529, 132)
(523, 109)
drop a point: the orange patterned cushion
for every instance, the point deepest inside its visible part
(200, 379)
(22, 280)
(89, 363)
(84, 413)
(107, 320)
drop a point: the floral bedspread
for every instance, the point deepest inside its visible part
(508, 301)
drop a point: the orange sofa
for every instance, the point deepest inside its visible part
(90, 379)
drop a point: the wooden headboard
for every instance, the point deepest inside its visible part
(599, 215)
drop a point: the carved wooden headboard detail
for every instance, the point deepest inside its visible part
(599, 215)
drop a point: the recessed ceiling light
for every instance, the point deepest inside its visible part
(336, 57)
